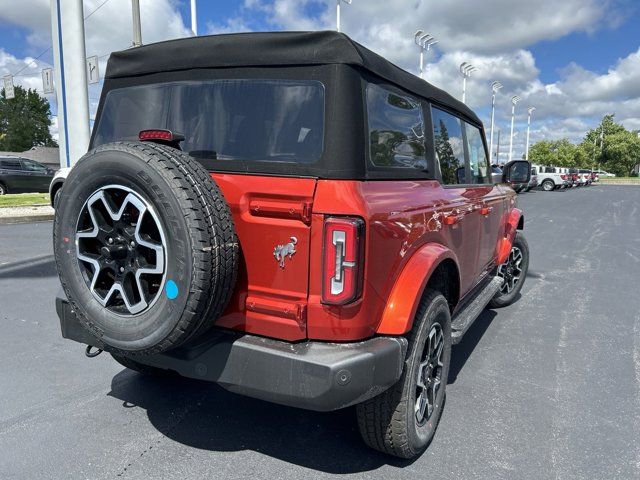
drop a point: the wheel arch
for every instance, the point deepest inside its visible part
(432, 265)
(55, 187)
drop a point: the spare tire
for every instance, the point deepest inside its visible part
(145, 246)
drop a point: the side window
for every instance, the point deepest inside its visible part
(477, 155)
(11, 164)
(32, 166)
(396, 129)
(449, 146)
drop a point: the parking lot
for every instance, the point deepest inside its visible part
(546, 388)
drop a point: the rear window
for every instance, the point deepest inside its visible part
(266, 120)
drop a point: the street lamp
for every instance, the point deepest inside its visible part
(194, 18)
(465, 69)
(495, 86)
(530, 110)
(338, 4)
(425, 42)
(515, 99)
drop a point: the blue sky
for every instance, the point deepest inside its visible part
(574, 60)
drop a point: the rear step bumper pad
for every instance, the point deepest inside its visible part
(311, 375)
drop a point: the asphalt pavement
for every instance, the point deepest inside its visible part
(546, 388)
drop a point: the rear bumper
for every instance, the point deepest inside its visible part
(312, 375)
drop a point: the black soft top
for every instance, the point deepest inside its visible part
(271, 49)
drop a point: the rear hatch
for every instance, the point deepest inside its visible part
(235, 125)
(272, 216)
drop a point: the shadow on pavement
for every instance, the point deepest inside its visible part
(532, 274)
(37, 267)
(207, 417)
(462, 351)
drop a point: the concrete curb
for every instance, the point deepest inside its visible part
(46, 217)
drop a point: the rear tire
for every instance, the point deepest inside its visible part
(3, 189)
(392, 422)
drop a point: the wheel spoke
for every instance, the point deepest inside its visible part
(429, 372)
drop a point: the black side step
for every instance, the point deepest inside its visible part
(472, 310)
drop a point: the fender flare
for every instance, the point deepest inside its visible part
(403, 302)
(514, 222)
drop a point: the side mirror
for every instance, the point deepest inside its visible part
(517, 172)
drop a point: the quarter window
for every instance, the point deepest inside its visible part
(449, 146)
(396, 129)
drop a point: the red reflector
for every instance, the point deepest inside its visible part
(343, 262)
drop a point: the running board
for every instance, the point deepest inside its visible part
(472, 310)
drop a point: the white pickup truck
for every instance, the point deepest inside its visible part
(550, 178)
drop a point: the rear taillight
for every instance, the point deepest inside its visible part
(563, 177)
(343, 262)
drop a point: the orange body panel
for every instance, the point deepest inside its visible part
(402, 305)
(406, 238)
(512, 218)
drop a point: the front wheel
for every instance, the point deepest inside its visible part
(402, 421)
(3, 189)
(513, 272)
(548, 185)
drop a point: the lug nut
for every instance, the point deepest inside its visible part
(121, 269)
(133, 244)
(110, 240)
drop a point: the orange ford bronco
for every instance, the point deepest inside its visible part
(293, 217)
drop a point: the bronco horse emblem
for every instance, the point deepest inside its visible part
(281, 252)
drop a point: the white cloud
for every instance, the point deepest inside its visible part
(491, 34)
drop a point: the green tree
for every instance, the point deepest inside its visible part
(24, 121)
(595, 141)
(622, 152)
(560, 153)
(541, 153)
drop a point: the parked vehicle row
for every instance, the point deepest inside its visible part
(551, 178)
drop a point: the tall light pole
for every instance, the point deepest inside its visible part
(530, 110)
(515, 99)
(137, 30)
(194, 18)
(67, 33)
(495, 86)
(465, 69)
(338, 5)
(425, 42)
